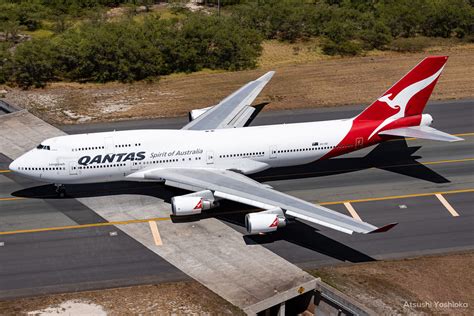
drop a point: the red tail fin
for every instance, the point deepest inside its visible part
(410, 94)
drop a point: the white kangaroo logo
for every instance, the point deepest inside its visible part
(401, 100)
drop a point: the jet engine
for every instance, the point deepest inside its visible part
(264, 222)
(193, 203)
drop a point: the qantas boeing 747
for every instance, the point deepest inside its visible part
(212, 155)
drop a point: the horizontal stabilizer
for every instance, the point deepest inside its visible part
(383, 229)
(424, 132)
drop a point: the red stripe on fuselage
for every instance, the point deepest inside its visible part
(358, 136)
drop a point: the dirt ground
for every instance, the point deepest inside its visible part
(183, 298)
(432, 284)
(303, 79)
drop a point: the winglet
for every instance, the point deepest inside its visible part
(383, 229)
(266, 77)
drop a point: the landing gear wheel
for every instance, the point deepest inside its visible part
(60, 190)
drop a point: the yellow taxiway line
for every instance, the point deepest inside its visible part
(382, 166)
(446, 161)
(394, 197)
(46, 229)
(12, 198)
(145, 220)
(458, 135)
(400, 165)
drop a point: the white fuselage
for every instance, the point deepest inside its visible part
(112, 156)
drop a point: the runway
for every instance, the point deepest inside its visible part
(395, 182)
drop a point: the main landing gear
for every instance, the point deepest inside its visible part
(60, 190)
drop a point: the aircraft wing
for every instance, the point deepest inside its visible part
(239, 188)
(233, 111)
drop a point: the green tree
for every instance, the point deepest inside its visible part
(33, 63)
(5, 63)
(108, 51)
(403, 17)
(449, 17)
(216, 43)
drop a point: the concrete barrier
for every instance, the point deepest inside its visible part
(330, 301)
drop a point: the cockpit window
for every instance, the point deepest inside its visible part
(41, 146)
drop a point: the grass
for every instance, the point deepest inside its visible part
(277, 53)
(40, 33)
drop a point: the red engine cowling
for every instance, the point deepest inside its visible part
(189, 205)
(257, 223)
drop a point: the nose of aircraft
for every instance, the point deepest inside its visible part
(14, 165)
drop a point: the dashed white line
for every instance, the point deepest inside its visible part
(352, 211)
(447, 205)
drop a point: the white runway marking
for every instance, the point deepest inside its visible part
(447, 205)
(156, 233)
(352, 211)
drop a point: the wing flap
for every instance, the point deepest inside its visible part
(424, 132)
(239, 188)
(242, 117)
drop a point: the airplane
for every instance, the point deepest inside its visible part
(214, 153)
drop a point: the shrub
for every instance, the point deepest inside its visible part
(5, 63)
(33, 63)
(108, 51)
(273, 19)
(215, 43)
(414, 44)
(449, 17)
(403, 17)
(128, 50)
(344, 48)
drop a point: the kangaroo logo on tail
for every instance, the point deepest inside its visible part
(401, 100)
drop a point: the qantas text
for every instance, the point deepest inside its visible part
(111, 158)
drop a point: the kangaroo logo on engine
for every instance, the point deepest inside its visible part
(111, 158)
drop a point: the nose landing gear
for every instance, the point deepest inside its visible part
(60, 190)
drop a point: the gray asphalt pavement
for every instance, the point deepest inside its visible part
(92, 257)
(451, 116)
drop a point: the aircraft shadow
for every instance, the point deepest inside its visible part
(393, 156)
(74, 191)
(296, 233)
(307, 237)
(302, 235)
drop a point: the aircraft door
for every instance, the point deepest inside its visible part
(72, 166)
(210, 157)
(273, 152)
(109, 145)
